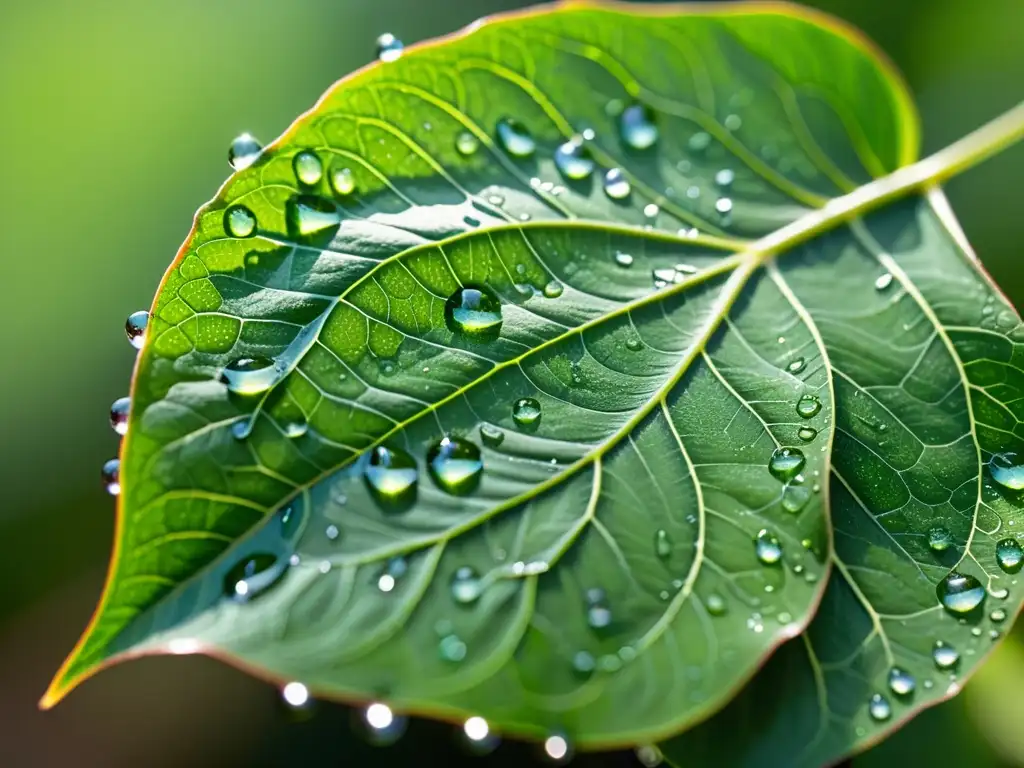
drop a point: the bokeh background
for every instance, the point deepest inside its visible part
(115, 117)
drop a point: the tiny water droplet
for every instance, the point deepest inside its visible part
(308, 168)
(795, 498)
(343, 181)
(583, 663)
(296, 428)
(556, 747)
(252, 576)
(119, 414)
(466, 585)
(960, 593)
(939, 539)
(526, 414)
(649, 756)
(332, 532)
(1010, 555)
(309, 216)
(944, 656)
(391, 475)
(243, 151)
(725, 177)
(112, 476)
(239, 221)
(786, 463)
(796, 365)
(249, 375)
(616, 185)
(295, 695)
(715, 605)
(474, 312)
(662, 544)
(573, 160)
(1007, 470)
(476, 728)
(998, 615)
(699, 142)
(808, 406)
(455, 465)
(651, 210)
(491, 436)
(452, 648)
(883, 281)
(623, 259)
(515, 138)
(389, 47)
(553, 290)
(379, 716)
(733, 122)
(879, 708)
(466, 143)
(723, 205)
(637, 127)
(767, 547)
(807, 434)
(135, 328)
(395, 569)
(633, 344)
(901, 682)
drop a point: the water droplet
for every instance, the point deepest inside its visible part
(960, 593)
(599, 615)
(808, 406)
(623, 259)
(119, 414)
(239, 221)
(715, 604)
(883, 282)
(662, 544)
(723, 205)
(583, 663)
(476, 728)
(309, 216)
(466, 143)
(296, 428)
(391, 475)
(452, 648)
(295, 695)
(332, 532)
(252, 576)
(491, 436)
(515, 138)
(879, 708)
(767, 547)
(379, 716)
(649, 756)
(939, 539)
(616, 185)
(135, 328)
(637, 127)
(455, 465)
(796, 365)
(249, 375)
(112, 476)
(998, 615)
(1007, 471)
(795, 498)
(1000, 593)
(526, 414)
(1010, 555)
(475, 312)
(725, 177)
(786, 463)
(308, 168)
(243, 151)
(901, 683)
(633, 344)
(466, 585)
(807, 434)
(651, 210)
(343, 181)
(573, 160)
(733, 122)
(699, 142)
(944, 656)
(556, 747)
(553, 290)
(389, 47)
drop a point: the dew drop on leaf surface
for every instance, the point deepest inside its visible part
(252, 576)
(901, 682)
(939, 539)
(466, 143)
(491, 436)
(879, 708)
(391, 475)
(944, 656)
(515, 138)
(808, 406)
(767, 547)
(1007, 470)
(1010, 555)
(308, 168)
(249, 375)
(526, 413)
(573, 160)
(960, 593)
(135, 328)
(343, 181)
(786, 463)
(308, 216)
(466, 585)
(239, 221)
(662, 544)
(111, 474)
(243, 151)
(616, 185)
(119, 414)
(389, 47)
(637, 127)
(474, 312)
(455, 465)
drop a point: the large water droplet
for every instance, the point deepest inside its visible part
(119, 414)
(808, 406)
(474, 312)
(491, 436)
(662, 544)
(553, 289)
(616, 185)
(767, 547)
(526, 414)
(637, 127)
(243, 151)
(939, 539)
(879, 708)
(515, 138)
(455, 465)
(135, 328)
(249, 375)
(308, 167)
(1007, 470)
(389, 47)
(901, 682)
(1010, 555)
(252, 576)
(112, 476)
(466, 585)
(452, 648)
(391, 475)
(466, 143)
(308, 216)
(795, 498)
(239, 221)
(944, 656)
(786, 463)
(960, 593)
(573, 160)
(343, 181)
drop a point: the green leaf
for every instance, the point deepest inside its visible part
(433, 262)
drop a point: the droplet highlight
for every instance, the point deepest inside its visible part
(808, 406)
(466, 585)
(309, 216)
(253, 576)
(939, 539)
(389, 47)
(239, 221)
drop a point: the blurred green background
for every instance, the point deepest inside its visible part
(115, 116)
